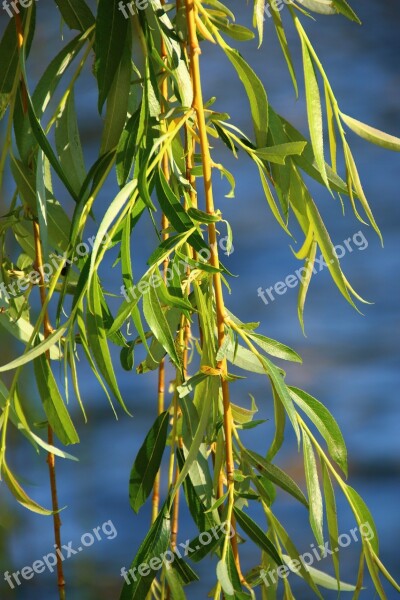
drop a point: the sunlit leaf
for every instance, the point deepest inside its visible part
(147, 462)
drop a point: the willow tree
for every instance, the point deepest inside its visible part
(162, 139)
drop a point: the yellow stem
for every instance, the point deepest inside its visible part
(212, 236)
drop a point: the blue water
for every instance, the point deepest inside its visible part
(351, 362)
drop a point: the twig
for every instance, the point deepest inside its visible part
(47, 330)
(212, 235)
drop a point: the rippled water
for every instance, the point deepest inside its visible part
(351, 362)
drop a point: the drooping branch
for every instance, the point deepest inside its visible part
(212, 237)
(47, 330)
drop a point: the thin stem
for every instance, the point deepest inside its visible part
(47, 330)
(164, 234)
(212, 236)
(175, 516)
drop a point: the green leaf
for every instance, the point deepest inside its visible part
(53, 404)
(306, 160)
(147, 462)
(50, 448)
(97, 339)
(41, 136)
(278, 154)
(174, 584)
(314, 111)
(171, 297)
(19, 493)
(155, 317)
(236, 32)
(243, 359)
(127, 147)
(314, 490)
(117, 101)
(68, 144)
(364, 517)
(323, 579)
(200, 550)
(355, 179)
(322, 237)
(156, 351)
(155, 544)
(258, 19)
(55, 71)
(189, 385)
(270, 198)
(282, 392)
(323, 7)
(331, 516)
(325, 423)
(41, 203)
(9, 54)
(26, 183)
(256, 94)
(275, 348)
(234, 579)
(111, 28)
(199, 472)
(22, 330)
(184, 573)
(36, 350)
(292, 551)
(174, 211)
(224, 578)
(159, 19)
(243, 415)
(343, 7)
(275, 474)
(167, 247)
(210, 393)
(202, 518)
(375, 136)
(280, 422)
(202, 217)
(111, 214)
(256, 534)
(76, 14)
(280, 32)
(305, 283)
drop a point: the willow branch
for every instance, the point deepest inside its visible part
(214, 260)
(47, 330)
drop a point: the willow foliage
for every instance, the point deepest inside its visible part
(161, 140)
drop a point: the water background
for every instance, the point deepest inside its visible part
(351, 362)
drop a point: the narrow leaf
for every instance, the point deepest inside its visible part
(256, 534)
(256, 94)
(20, 494)
(111, 28)
(147, 462)
(314, 490)
(53, 404)
(325, 423)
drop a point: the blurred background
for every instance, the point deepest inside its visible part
(351, 362)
